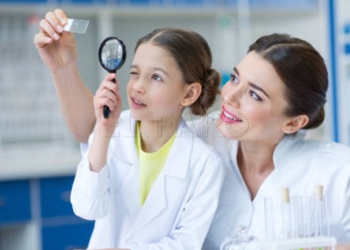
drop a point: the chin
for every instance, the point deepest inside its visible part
(137, 116)
(232, 131)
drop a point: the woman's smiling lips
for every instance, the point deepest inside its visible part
(229, 117)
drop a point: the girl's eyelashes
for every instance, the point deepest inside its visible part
(156, 77)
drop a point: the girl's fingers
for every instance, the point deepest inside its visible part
(61, 16)
(41, 40)
(48, 30)
(54, 21)
(108, 93)
(113, 87)
(112, 98)
(104, 96)
(109, 84)
(103, 101)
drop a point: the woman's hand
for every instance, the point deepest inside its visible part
(57, 48)
(108, 94)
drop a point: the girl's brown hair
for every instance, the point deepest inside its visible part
(193, 56)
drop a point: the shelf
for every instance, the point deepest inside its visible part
(41, 160)
(179, 7)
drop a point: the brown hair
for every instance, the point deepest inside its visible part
(193, 56)
(303, 71)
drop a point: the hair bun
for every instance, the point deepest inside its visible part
(210, 89)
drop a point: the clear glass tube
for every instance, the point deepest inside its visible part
(286, 214)
(321, 225)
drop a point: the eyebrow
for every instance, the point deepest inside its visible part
(154, 68)
(252, 84)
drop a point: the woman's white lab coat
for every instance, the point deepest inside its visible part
(300, 165)
(179, 208)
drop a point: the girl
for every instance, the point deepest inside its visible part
(146, 179)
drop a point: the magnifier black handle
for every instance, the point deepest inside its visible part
(106, 110)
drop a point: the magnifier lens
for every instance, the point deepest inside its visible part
(112, 55)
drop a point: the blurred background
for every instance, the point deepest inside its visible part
(38, 155)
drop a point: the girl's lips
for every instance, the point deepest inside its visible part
(229, 117)
(135, 103)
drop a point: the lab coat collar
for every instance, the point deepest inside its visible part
(176, 165)
(288, 148)
(179, 155)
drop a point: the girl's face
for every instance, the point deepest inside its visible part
(253, 102)
(156, 85)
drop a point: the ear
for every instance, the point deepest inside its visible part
(192, 92)
(295, 124)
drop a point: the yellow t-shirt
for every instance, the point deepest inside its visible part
(150, 164)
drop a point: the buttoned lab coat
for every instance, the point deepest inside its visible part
(179, 208)
(300, 165)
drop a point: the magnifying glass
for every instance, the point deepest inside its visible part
(112, 55)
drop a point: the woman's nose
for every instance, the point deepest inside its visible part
(233, 95)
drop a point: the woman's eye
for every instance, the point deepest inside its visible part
(156, 77)
(255, 95)
(133, 73)
(234, 78)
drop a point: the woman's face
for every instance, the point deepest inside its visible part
(253, 102)
(156, 85)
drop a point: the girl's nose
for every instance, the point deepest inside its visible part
(139, 86)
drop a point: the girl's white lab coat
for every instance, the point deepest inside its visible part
(300, 165)
(179, 208)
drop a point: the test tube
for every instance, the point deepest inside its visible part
(321, 225)
(286, 213)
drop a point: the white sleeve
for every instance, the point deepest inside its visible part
(83, 148)
(90, 196)
(197, 214)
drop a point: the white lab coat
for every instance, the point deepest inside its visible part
(300, 164)
(179, 208)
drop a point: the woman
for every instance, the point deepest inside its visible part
(278, 89)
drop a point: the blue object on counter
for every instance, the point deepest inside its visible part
(347, 48)
(347, 28)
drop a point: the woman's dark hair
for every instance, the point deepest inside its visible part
(303, 71)
(193, 56)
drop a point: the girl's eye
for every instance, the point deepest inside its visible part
(234, 78)
(255, 95)
(133, 73)
(156, 77)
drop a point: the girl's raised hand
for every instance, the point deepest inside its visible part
(57, 48)
(108, 94)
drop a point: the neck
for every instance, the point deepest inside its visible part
(154, 134)
(255, 158)
(255, 162)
